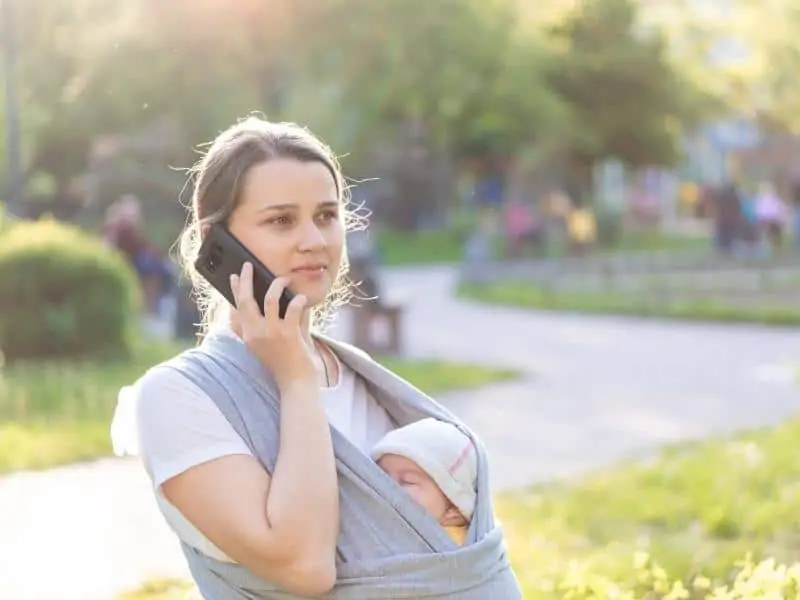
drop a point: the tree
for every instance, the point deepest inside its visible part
(769, 89)
(626, 98)
(58, 65)
(455, 79)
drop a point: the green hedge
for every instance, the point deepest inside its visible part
(63, 293)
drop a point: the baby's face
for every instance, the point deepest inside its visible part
(421, 488)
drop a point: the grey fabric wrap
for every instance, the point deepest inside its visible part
(388, 546)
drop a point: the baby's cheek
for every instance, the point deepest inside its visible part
(426, 497)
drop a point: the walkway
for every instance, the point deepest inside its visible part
(604, 387)
(596, 389)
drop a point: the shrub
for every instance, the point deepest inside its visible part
(63, 294)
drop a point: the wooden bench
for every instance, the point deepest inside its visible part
(370, 318)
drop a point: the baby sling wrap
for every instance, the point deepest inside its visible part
(388, 545)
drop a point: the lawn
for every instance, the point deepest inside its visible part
(696, 509)
(445, 246)
(690, 514)
(527, 295)
(57, 413)
(435, 376)
(418, 247)
(162, 589)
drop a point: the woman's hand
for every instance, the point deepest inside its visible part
(278, 343)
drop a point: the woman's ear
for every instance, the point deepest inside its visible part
(453, 518)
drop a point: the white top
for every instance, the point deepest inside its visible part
(179, 426)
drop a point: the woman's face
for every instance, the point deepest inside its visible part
(290, 217)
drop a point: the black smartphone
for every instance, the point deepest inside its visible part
(222, 255)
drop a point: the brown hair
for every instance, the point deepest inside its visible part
(218, 178)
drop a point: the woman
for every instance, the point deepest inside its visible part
(257, 441)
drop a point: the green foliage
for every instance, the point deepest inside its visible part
(689, 514)
(4, 222)
(765, 580)
(474, 78)
(63, 294)
(455, 67)
(627, 100)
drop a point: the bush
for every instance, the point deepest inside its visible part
(63, 294)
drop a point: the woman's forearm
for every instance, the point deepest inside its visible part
(303, 503)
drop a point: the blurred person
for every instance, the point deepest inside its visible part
(727, 212)
(796, 213)
(581, 229)
(770, 212)
(521, 227)
(749, 235)
(124, 230)
(689, 198)
(557, 205)
(257, 442)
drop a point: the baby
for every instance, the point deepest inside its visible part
(436, 464)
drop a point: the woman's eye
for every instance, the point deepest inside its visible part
(281, 220)
(328, 215)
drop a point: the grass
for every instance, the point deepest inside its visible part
(419, 247)
(58, 413)
(436, 376)
(53, 413)
(696, 509)
(161, 589)
(525, 295)
(445, 246)
(656, 241)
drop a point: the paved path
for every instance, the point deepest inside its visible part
(597, 389)
(604, 387)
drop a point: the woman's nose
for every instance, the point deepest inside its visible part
(311, 238)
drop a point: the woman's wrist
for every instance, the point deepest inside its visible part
(298, 387)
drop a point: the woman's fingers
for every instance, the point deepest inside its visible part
(234, 283)
(246, 309)
(245, 302)
(272, 300)
(235, 318)
(294, 311)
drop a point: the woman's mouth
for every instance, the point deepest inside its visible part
(311, 271)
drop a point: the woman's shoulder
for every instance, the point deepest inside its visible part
(169, 386)
(172, 423)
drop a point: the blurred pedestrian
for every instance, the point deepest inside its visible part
(124, 230)
(771, 215)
